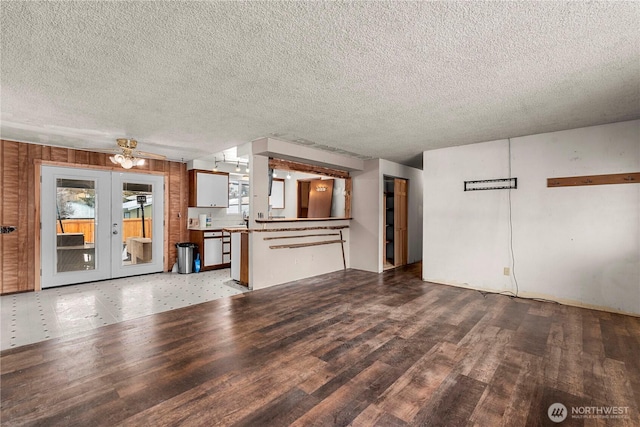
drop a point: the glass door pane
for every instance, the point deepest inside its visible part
(75, 224)
(75, 238)
(137, 214)
(137, 223)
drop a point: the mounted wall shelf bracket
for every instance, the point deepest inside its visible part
(574, 181)
(491, 184)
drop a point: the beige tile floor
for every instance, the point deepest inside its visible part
(71, 310)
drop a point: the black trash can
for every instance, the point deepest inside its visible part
(185, 257)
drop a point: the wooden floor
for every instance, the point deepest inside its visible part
(344, 348)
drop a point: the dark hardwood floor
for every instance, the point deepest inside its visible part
(343, 348)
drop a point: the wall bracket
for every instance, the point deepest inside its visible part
(491, 184)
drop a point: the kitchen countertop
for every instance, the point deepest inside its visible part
(216, 228)
(252, 230)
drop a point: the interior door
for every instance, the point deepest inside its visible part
(401, 237)
(137, 244)
(98, 225)
(75, 220)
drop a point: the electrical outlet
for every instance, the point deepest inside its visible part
(506, 271)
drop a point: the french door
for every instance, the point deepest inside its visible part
(98, 225)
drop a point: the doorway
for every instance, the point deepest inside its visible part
(395, 232)
(98, 225)
(315, 198)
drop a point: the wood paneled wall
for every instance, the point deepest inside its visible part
(18, 205)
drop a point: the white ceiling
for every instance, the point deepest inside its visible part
(379, 79)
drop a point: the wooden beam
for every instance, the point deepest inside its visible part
(329, 227)
(348, 187)
(344, 260)
(618, 178)
(303, 245)
(283, 220)
(288, 165)
(301, 235)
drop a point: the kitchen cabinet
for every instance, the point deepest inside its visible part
(208, 189)
(212, 251)
(214, 247)
(240, 257)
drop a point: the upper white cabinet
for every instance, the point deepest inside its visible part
(208, 189)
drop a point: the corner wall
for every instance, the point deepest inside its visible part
(366, 225)
(578, 245)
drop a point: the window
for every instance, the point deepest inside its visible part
(238, 195)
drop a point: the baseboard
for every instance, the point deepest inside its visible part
(569, 302)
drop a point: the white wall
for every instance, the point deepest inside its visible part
(275, 266)
(578, 245)
(366, 227)
(270, 147)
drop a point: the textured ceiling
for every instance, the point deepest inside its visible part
(379, 79)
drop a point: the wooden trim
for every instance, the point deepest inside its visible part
(244, 259)
(276, 220)
(348, 187)
(302, 235)
(288, 165)
(304, 245)
(208, 171)
(37, 169)
(344, 259)
(166, 226)
(618, 178)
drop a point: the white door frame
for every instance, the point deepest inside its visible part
(108, 251)
(157, 243)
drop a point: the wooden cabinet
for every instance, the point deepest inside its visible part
(208, 189)
(240, 257)
(214, 247)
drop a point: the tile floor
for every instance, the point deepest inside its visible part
(70, 310)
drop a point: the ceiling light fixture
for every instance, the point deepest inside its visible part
(288, 175)
(275, 175)
(215, 166)
(238, 166)
(247, 168)
(127, 160)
